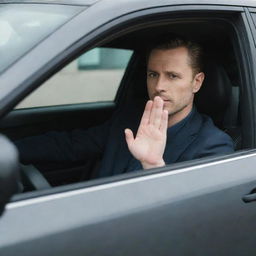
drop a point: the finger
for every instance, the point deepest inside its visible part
(156, 112)
(129, 137)
(146, 113)
(164, 121)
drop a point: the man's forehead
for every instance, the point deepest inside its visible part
(175, 56)
(180, 51)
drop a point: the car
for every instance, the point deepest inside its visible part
(69, 64)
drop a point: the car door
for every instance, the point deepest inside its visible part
(192, 211)
(201, 207)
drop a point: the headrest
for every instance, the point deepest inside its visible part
(214, 96)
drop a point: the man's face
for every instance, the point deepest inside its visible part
(170, 76)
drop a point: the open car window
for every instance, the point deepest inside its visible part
(95, 76)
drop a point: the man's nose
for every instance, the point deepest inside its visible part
(161, 84)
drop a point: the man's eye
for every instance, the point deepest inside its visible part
(151, 75)
(173, 76)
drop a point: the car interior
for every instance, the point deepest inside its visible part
(220, 96)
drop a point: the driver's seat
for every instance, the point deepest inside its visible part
(219, 99)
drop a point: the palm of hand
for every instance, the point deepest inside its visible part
(149, 145)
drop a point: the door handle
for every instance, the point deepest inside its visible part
(250, 197)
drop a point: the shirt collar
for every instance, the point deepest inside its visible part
(171, 131)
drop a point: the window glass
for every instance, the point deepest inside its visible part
(94, 76)
(104, 58)
(22, 26)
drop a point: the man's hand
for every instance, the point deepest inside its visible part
(149, 145)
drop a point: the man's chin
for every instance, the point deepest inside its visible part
(172, 111)
(168, 107)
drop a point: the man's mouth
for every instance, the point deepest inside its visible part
(165, 100)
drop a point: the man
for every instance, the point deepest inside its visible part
(170, 130)
(172, 81)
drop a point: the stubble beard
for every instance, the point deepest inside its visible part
(176, 111)
(173, 115)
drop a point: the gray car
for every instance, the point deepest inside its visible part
(67, 64)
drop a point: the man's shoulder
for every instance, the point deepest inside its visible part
(211, 137)
(208, 128)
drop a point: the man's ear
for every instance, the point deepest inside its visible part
(198, 81)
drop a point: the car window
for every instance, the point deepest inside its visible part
(22, 26)
(94, 76)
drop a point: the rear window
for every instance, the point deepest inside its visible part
(22, 26)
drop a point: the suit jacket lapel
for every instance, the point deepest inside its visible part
(177, 143)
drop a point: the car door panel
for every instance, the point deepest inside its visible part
(188, 211)
(32, 121)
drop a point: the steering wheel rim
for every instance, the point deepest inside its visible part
(32, 178)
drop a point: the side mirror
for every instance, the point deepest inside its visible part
(9, 167)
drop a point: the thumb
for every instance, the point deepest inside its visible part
(129, 136)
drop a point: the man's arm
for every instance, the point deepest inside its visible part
(63, 147)
(149, 144)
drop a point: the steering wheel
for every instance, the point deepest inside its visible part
(32, 179)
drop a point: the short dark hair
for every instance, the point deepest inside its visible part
(195, 51)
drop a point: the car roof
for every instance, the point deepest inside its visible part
(132, 2)
(70, 2)
(249, 3)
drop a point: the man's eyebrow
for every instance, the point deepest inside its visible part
(173, 72)
(166, 72)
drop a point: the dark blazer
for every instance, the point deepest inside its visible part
(194, 137)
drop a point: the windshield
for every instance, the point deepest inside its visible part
(22, 26)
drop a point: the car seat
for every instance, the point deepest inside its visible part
(220, 100)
